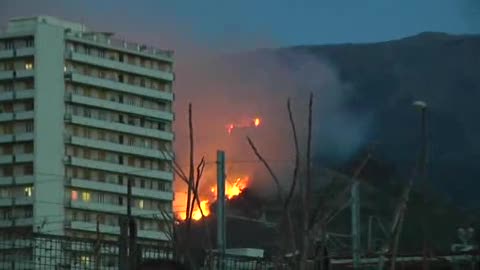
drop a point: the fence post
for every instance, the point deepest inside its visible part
(123, 245)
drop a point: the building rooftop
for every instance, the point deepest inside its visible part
(21, 24)
(81, 31)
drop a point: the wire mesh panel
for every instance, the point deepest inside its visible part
(61, 253)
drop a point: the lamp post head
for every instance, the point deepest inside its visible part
(420, 104)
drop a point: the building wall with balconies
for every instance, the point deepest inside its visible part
(81, 115)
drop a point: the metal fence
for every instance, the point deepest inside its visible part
(59, 252)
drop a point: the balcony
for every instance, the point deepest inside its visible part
(18, 158)
(22, 52)
(121, 45)
(115, 209)
(17, 222)
(25, 115)
(115, 147)
(10, 74)
(112, 188)
(109, 229)
(117, 168)
(122, 107)
(118, 86)
(21, 94)
(16, 137)
(16, 180)
(117, 65)
(146, 132)
(16, 201)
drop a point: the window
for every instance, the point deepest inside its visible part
(28, 191)
(140, 204)
(29, 127)
(102, 115)
(74, 215)
(28, 213)
(102, 74)
(101, 135)
(29, 43)
(29, 84)
(7, 214)
(161, 126)
(74, 195)
(86, 153)
(101, 53)
(28, 169)
(29, 106)
(101, 198)
(142, 82)
(28, 65)
(131, 140)
(28, 148)
(87, 112)
(8, 44)
(86, 196)
(87, 50)
(142, 183)
(8, 170)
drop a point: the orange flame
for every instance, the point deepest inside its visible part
(255, 122)
(231, 190)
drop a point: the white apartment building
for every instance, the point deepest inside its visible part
(81, 114)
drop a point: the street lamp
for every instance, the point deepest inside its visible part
(422, 174)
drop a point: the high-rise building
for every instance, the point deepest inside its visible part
(82, 114)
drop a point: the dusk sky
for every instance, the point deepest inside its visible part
(233, 25)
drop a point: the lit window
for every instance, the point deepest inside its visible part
(85, 260)
(64, 68)
(74, 195)
(28, 66)
(28, 191)
(140, 204)
(86, 196)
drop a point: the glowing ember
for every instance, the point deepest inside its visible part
(255, 122)
(231, 190)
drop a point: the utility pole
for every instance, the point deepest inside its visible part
(221, 230)
(370, 234)
(128, 253)
(422, 174)
(356, 244)
(97, 246)
(132, 229)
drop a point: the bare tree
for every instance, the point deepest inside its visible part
(305, 188)
(180, 238)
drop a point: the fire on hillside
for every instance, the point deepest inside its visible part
(233, 188)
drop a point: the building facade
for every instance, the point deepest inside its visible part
(82, 114)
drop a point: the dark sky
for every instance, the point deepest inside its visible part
(251, 23)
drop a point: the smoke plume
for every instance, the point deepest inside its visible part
(235, 88)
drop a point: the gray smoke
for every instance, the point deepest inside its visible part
(231, 88)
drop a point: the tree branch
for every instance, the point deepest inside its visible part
(270, 171)
(191, 176)
(297, 158)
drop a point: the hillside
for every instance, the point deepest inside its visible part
(386, 77)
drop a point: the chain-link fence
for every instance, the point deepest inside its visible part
(59, 252)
